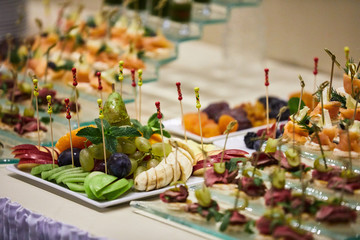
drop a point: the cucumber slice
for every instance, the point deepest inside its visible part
(116, 194)
(47, 174)
(42, 168)
(75, 187)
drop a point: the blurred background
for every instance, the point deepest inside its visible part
(291, 31)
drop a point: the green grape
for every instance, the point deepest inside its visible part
(29, 112)
(143, 163)
(137, 155)
(134, 166)
(128, 146)
(97, 151)
(139, 170)
(157, 149)
(118, 148)
(142, 144)
(86, 159)
(152, 163)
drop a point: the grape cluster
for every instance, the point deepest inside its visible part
(133, 156)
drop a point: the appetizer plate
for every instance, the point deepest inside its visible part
(174, 126)
(130, 196)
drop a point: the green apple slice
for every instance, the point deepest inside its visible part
(63, 177)
(56, 175)
(87, 187)
(74, 180)
(76, 187)
(98, 182)
(115, 194)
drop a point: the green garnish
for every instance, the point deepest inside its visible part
(94, 135)
(152, 127)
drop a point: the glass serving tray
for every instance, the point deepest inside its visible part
(210, 229)
(254, 210)
(331, 159)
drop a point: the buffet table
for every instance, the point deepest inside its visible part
(199, 64)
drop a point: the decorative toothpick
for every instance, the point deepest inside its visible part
(178, 85)
(68, 116)
(302, 84)
(159, 116)
(140, 82)
(315, 72)
(198, 106)
(133, 84)
(36, 94)
(98, 74)
(347, 51)
(267, 98)
(101, 117)
(121, 75)
(75, 83)
(47, 53)
(333, 61)
(48, 98)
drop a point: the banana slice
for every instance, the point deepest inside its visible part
(176, 172)
(151, 183)
(169, 173)
(185, 146)
(185, 165)
(161, 177)
(140, 181)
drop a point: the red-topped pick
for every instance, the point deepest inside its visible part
(316, 60)
(178, 86)
(98, 74)
(133, 84)
(68, 116)
(159, 116)
(75, 83)
(67, 107)
(315, 72)
(266, 70)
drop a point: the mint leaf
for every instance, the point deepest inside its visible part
(136, 123)
(105, 123)
(152, 120)
(146, 131)
(110, 143)
(232, 165)
(124, 131)
(293, 105)
(92, 134)
(46, 120)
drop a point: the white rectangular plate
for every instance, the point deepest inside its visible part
(131, 195)
(174, 126)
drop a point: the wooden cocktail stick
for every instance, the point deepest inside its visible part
(98, 74)
(267, 98)
(75, 83)
(140, 82)
(121, 75)
(101, 116)
(178, 85)
(36, 94)
(68, 117)
(159, 116)
(315, 72)
(133, 84)
(48, 98)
